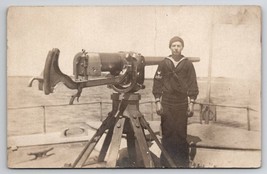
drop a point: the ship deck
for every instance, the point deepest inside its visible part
(213, 145)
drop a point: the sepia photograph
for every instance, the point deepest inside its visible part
(162, 87)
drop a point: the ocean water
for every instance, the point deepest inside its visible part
(26, 114)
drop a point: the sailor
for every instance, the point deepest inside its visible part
(175, 89)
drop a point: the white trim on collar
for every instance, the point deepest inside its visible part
(174, 62)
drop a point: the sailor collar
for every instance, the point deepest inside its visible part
(174, 62)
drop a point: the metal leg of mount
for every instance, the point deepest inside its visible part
(105, 145)
(164, 152)
(115, 143)
(81, 159)
(141, 142)
(108, 123)
(131, 147)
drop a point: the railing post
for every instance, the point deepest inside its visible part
(248, 119)
(200, 113)
(101, 116)
(215, 116)
(207, 114)
(44, 118)
(152, 117)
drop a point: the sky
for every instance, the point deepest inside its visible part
(227, 36)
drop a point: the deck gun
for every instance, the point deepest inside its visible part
(126, 71)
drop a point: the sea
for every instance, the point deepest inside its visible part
(30, 111)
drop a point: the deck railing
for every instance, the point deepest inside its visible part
(100, 103)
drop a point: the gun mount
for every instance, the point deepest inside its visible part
(126, 71)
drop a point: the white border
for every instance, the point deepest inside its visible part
(4, 4)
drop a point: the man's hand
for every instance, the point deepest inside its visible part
(190, 110)
(159, 108)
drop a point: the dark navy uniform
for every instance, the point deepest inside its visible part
(174, 85)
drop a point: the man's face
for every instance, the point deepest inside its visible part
(176, 48)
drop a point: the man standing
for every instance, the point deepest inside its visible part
(175, 82)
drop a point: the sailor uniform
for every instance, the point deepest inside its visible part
(174, 82)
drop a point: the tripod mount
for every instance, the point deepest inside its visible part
(125, 118)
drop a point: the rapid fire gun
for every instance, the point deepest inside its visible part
(126, 71)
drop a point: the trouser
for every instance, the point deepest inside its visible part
(174, 134)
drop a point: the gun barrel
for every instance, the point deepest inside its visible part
(85, 64)
(154, 60)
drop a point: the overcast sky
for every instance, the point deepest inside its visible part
(229, 35)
